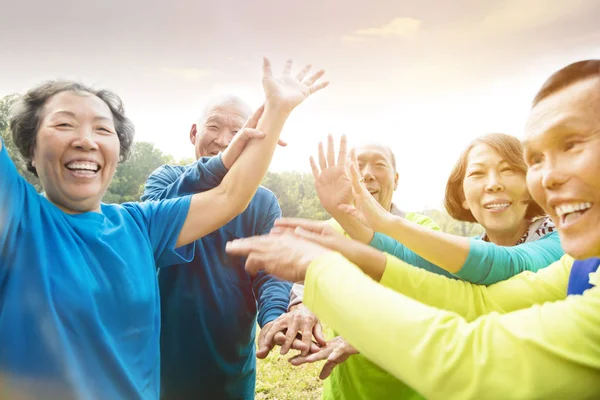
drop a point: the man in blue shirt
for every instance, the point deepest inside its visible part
(210, 306)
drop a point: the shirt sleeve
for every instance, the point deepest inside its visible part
(296, 295)
(549, 350)
(470, 300)
(272, 294)
(488, 263)
(168, 182)
(16, 195)
(392, 246)
(164, 220)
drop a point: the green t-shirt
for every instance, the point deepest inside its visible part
(357, 378)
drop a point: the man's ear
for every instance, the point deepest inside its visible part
(193, 133)
(396, 177)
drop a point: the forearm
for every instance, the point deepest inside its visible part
(242, 180)
(273, 297)
(353, 227)
(470, 300)
(441, 355)
(447, 251)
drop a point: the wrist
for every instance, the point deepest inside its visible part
(275, 105)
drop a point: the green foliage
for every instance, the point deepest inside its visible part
(128, 182)
(296, 194)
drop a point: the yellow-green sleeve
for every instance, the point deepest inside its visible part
(470, 300)
(547, 351)
(422, 220)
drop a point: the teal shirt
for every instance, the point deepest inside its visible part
(487, 263)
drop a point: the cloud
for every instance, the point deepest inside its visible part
(518, 15)
(188, 74)
(399, 27)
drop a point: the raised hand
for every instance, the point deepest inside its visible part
(364, 207)
(332, 182)
(287, 92)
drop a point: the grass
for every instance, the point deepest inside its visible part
(277, 379)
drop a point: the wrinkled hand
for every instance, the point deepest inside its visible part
(332, 182)
(241, 139)
(365, 208)
(287, 92)
(290, 225)
(298, 322)
(285, 256)
(336, 351)
(367, 258)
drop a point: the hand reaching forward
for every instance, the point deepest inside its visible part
(285, 256)
(332, 182)
(287, 92)
(336, 351)
(371, 261)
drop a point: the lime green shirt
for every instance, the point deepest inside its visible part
(358, 378)
(521, 338)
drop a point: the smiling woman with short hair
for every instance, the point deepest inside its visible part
(79, 301)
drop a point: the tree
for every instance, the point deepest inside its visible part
(296, 194)
(128, 182)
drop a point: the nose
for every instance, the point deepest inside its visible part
(494, 183)
(367, 173)
(85, 139)
(553, 176)
(224, 139)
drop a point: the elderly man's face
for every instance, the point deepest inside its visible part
(562, 150)
(220, 124)
(376, 167)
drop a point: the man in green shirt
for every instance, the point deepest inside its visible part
(350, 375)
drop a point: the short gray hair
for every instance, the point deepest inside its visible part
(225, 100)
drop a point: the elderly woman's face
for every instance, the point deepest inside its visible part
(77, 151)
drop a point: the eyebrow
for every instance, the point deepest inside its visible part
(73, 115)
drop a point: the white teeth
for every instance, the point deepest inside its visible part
(497, 206)
(87, 166)
(564, 209)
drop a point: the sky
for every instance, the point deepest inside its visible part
(424, 77)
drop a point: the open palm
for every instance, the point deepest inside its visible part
(332, 182)
(288, 91)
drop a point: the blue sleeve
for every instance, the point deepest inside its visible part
(488, 263)
(398, 250)
(164, 220)
(168, 182)
(272, 294)
(16, 198)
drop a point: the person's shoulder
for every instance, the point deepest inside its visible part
(422, 219)
(169, 170)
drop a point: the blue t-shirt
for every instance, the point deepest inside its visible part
(79, 303)
(210, 306)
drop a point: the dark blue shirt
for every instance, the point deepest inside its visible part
(79, 301)
(210, 306)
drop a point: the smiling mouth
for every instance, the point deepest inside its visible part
(83, 168)
(499, 206)
(571, 212)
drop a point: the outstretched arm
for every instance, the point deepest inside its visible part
(470, 259)
(214, 208)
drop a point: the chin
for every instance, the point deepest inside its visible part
(580, 248)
